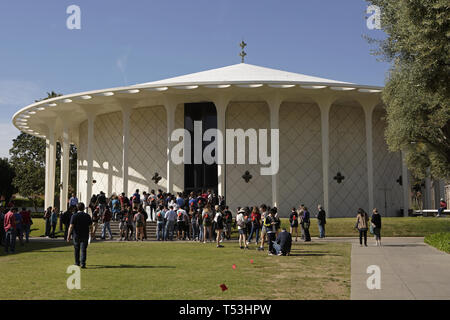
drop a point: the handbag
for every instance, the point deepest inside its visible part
(371, 229)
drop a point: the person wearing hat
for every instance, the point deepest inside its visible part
(241, 224)
(442, 207)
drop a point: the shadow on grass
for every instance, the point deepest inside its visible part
(39, 246)
(129, 266)
(313, 255)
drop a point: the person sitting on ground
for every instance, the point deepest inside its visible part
(283, 243)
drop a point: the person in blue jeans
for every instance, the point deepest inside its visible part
(160, 224)
(321, 221)
(80, 226)
(19, 229)
(255, 218)
(9, 226)
(170, 217)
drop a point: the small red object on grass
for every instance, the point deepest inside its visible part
(251, 260)
(223, 287)
(234, 266)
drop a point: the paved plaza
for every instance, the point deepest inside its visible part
(410, 269)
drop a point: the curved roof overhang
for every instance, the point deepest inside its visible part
(72, 109)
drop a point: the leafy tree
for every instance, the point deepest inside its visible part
(417, 92)
(28, 161)
(7, 175)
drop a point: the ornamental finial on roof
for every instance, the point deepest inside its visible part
(243, 54)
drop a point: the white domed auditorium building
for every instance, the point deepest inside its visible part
(332, 149)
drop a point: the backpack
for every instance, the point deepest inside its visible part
(219, 220)
(241, 223)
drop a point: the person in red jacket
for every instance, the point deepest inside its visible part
(26, 223)
(10, 229)
(442, 207)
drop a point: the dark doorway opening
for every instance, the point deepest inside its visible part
(202, 176)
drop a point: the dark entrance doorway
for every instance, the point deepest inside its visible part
(202, 176)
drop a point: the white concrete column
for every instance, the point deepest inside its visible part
(47, 166)
(171, 107)
(50, 165)
(90, 159)
(221, 107)
(126, 113)
(324, 103)
(405, 184)
(368, 107)
(427, 202)
(65, 156)
(274, 104)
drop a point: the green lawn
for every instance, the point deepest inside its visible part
(440, 241)
(344, 227)
(177, 270)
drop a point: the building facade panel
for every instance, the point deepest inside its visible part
(387, 170)
(300, 175)
(258, 190)
(347, 157)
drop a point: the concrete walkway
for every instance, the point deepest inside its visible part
(409, 269)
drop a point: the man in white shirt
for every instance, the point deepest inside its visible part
(241, 223)
(171, 217)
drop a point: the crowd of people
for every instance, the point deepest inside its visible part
(196, 216)
(16, 224)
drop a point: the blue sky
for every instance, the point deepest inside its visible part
(134, 41)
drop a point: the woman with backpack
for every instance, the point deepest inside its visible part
(255, 218)
(293, 221)
(115, 205)
(362, 220)
(241, 224)
(306, 222)
(207, 222)
(218, 219)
